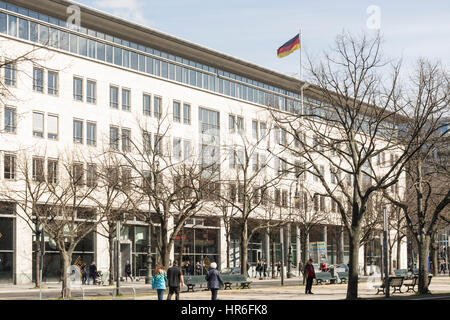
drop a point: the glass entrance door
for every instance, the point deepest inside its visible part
(6, 250)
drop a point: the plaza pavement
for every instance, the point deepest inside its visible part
(261, 290)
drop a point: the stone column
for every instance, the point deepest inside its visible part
(266, 247)
(23, 250)
(222, 247)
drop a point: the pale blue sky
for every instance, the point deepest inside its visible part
(252, 30)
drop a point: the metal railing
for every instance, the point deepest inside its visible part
(114, 292)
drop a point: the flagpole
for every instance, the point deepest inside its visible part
(301, 68)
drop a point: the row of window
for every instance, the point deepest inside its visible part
(209, 79)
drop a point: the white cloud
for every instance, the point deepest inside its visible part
(133, 10)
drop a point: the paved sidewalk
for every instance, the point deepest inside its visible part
(261, 290)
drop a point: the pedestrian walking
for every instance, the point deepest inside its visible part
(187, 268)
(84, 274)
(128, 271)
(259, 268)
(278, 268)
(214, 279)
(310, 275)
(175, 280)
(159, 280)
(92, 273)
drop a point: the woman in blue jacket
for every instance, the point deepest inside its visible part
(159, 281)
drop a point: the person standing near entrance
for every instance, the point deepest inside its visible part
(310, 275)
(175, 279)
(159, 280)
(265, 268)
(128, 271)
(214, 280)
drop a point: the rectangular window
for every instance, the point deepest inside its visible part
(52, 128)
(10, 120)
(91, 175)
(149, 67)
(23, 29)
(78, 89)
(38, 169)
(146, 105)
(52, 171)
(240, 124)
(78, 174)
(126, 99)
(117, 56)
(38, 79)
(114, 97)
(9, 167)
(126, 140)
(73, 43)
(38, 124)
(10, 74)
(186, 149)
(255, 129)
(231, 123)
(176, 111)
(3, 22)
(134, 61)
(177, 148)
(147, 141)
(91, 49)
(157, 139)
(232, 159)
(262, 130)
(77, 131)
(141, 63)
(126, 58)
(100, 51)
(114, 138)
(109, 53)
(91, 133)
(157, 107)
(91, 95)
(53, 38)
(255, 164)
(82, 46)
(53, 83)
(186, 113)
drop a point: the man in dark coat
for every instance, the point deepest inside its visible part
(128, 271)
(310, 275)
(92, 272)
(174, 279)
(214, 280)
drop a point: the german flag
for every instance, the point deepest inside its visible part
(289, 47)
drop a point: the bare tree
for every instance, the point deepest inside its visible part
(352, 115)
(427, 192)
(165, 191)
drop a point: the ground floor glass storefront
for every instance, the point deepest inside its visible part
(6, 250)
(53, 264)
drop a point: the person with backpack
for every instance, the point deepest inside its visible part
(310, 275)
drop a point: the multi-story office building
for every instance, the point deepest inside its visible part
(82, 90)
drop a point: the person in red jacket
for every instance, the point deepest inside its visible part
(310, 275)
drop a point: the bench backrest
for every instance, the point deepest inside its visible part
(343, 275)
(233, 278)
(396, 281)
(401, 273)
(195, 279)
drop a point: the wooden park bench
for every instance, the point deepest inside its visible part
(343, 276)
(324, 277)
(228, 280)
(192, 281)
(394, 282)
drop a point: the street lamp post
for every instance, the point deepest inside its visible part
(385, 251)
(117, 258)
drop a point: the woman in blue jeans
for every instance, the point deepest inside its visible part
(159, 281)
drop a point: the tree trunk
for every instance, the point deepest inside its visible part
(37, 263)
(424, 244)
(352, 288)
(365, 259)
(111, 256)
(244, 245)
(434, 255)
(228, 249)
(390, 258)
(273, 257)
(65, 291)
(148, 261)
(399, 247)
